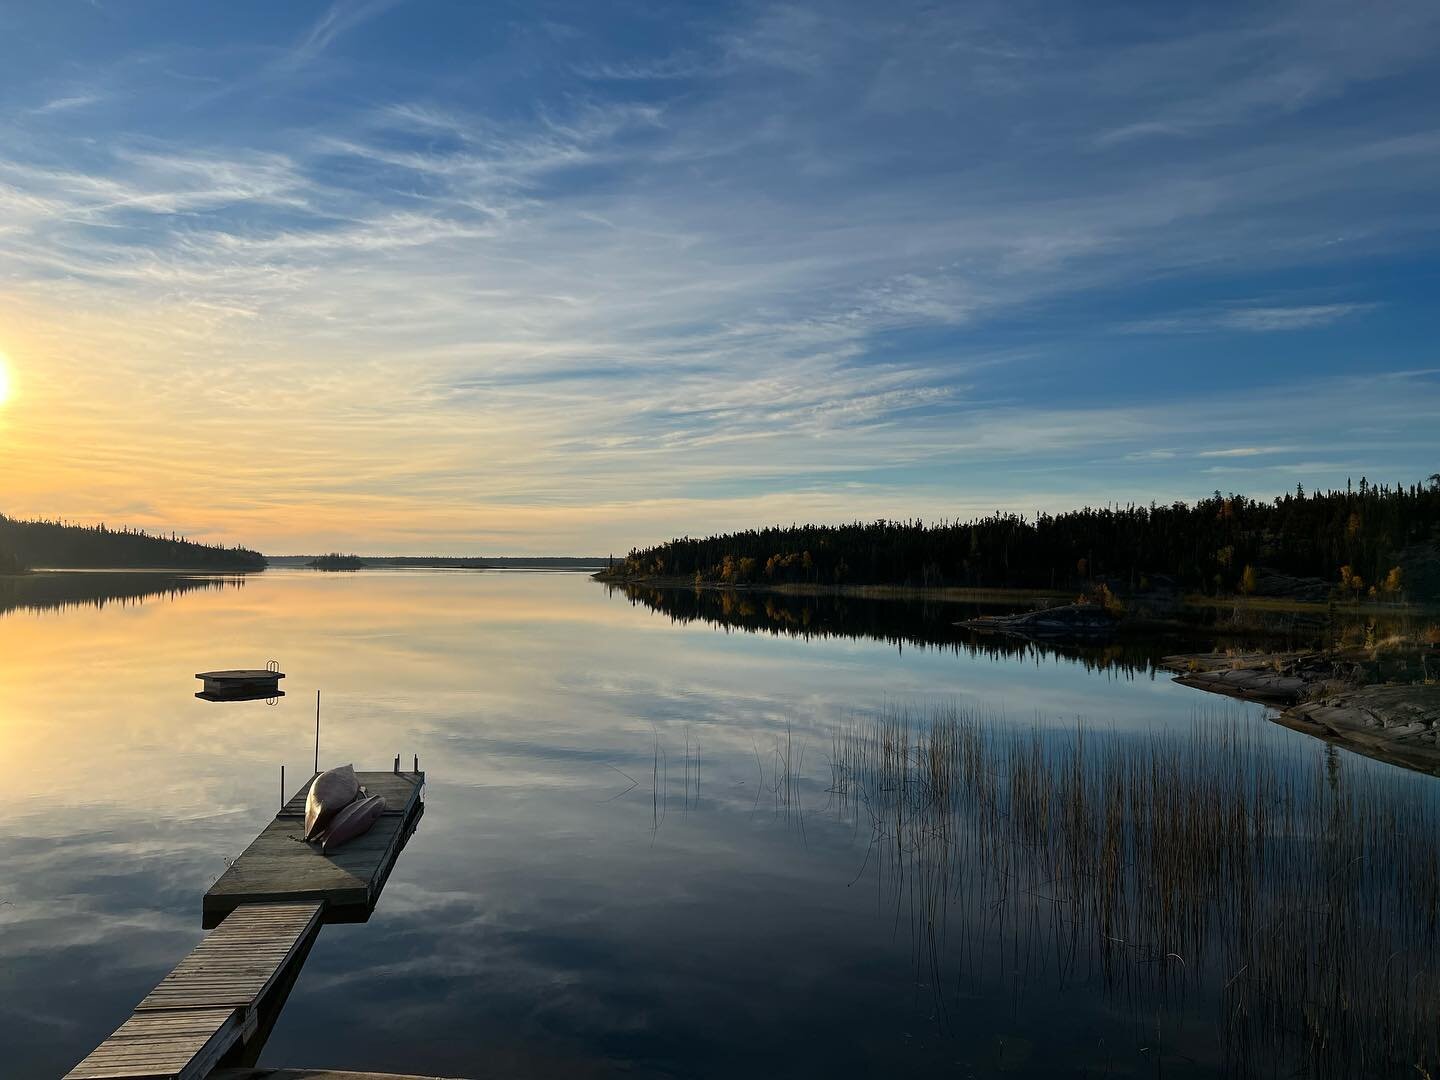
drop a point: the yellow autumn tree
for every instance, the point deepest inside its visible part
(1351, 581)
(1247, 580)
(1392, 584)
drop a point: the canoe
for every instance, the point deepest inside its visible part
(355, 820)
(333, 790)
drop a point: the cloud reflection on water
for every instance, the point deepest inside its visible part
(536, 922)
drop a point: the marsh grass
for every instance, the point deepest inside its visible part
(1215, 872)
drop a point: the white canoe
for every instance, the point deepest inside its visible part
(332, 791)
(355, 820)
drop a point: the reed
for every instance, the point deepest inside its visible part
(1290, 893)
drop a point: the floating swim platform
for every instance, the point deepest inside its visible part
(240, 680)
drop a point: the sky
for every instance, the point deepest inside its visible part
(548, 278)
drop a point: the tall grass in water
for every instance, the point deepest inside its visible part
(1215, 868)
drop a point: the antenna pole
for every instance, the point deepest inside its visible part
(317, 732)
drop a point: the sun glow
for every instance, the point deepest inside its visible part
(4, 379)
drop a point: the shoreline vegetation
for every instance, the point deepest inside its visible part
(1292, 901)
(1371, 543)
(59, 545)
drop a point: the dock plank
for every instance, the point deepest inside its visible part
(163, 1046)
(280, 866)
(239, 961)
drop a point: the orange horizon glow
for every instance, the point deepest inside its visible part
(165, 421)
(292, 452)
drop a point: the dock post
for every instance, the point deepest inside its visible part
(282, 787)
(397, 764)
(417, 763)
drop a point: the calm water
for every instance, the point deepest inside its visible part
(632, 859)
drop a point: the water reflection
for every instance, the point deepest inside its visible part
(918, 623)
(633, 860)
(270, 697)
(936, 624)
(49, 590)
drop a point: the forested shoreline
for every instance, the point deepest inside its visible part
(61, 545)
(1365, 541)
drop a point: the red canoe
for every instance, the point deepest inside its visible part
(355, 820)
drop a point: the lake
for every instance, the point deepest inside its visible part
(661, 843)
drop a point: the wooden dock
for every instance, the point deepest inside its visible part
(279, 865)
(219, 1003)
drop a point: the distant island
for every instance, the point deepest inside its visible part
(1366, 542)
(336, 561)
(62, 546)
(448, 562)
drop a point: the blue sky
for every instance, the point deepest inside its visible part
(414, 276)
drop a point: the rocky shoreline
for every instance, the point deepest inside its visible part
(1062, 621)
(1319, 694)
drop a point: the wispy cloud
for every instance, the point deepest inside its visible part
(664, 68)
(1150, 455)
(1267, 319)
(339, 18)
(1249, 319)
(1281, 60)
(1295, 468)
(1245, 451)
(69, 102)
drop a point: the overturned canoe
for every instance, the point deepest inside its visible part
(355, 820)
(333, 790)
